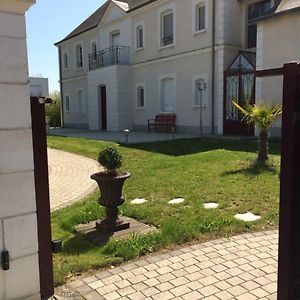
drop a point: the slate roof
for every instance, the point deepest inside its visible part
(92, 21)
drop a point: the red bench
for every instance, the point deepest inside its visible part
(163, 123)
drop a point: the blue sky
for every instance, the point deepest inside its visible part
(48, 21)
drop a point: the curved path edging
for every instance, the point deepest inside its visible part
(69, 177)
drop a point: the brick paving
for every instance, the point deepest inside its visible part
(242, 267)
(69, 177)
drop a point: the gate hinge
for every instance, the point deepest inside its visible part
(56, 246)
(5, 260)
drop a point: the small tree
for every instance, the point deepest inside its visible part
(110, 159)
(263, 117)
(53, 110)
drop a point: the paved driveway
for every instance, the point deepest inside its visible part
(69, 177)
(118, 136)
(243, 267)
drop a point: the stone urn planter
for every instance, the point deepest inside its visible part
(111, 183)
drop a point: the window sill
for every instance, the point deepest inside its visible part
(166, 47)
(167, 112)
(79, 69)
(140, 108)
(139, 49)
(198, 106)
(196, 32)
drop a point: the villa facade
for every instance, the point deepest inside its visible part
(132, 60)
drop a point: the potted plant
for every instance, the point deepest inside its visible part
(110, 183)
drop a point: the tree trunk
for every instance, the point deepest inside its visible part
(263, 146)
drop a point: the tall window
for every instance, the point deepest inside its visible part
(168, 95)
(140, 97)
(200, 17)
(254, 11)
(67, 103)
(139, 37)
(80, 102)
(167, 28)
(66, 60)
(94, 50)
(79, 57)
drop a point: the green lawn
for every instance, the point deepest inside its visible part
(198, 170)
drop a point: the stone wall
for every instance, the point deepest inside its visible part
(18, 225)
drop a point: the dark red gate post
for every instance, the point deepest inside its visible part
(289, 215)
(42, 197)
(289, 224)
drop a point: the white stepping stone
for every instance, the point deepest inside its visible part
(138, 201)
(247, 217)
(210, 205)
(176, 201)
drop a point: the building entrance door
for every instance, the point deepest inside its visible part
(103, 107)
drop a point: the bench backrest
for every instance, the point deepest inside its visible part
(165, 118)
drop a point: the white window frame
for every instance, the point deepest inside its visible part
(84, 103)
(163, 11)
(196, 5)
(76, 61)
(160, 80)
(65, 53)
(204, 78)
(92, 44)
(137, 87)
(137, 26)
(65, 102)
(114, 32)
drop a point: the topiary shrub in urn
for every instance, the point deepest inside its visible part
(111, 183)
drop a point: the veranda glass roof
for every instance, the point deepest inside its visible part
(244, 61)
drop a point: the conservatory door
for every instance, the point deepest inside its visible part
(239, 86)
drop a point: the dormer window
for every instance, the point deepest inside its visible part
(256, 10)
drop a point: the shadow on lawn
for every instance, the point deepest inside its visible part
(197, 145)
(256, 168)
(84, 242)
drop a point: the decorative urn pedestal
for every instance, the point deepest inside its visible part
(111, 197)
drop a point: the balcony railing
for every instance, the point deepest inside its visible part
(116, 55)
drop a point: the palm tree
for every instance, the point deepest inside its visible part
(262, 116)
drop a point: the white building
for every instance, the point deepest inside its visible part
(132, 60)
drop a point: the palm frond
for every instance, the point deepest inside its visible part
(262, 115)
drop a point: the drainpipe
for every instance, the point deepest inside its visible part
(213, 64)
(61, 87)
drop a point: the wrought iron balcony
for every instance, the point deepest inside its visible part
(116, 55)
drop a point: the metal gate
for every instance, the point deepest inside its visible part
(289, 222)
(42, 197)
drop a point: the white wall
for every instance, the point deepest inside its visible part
(279, 36)
(18, 224)
(117, 80)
